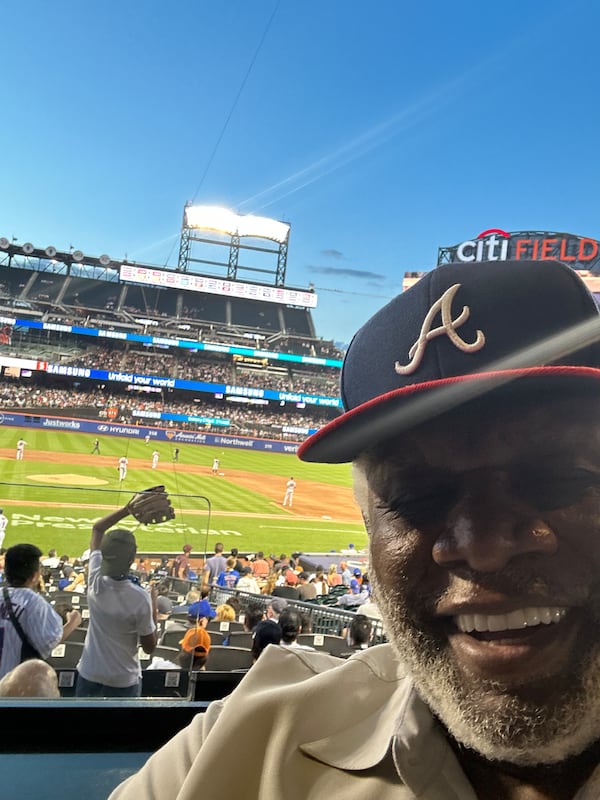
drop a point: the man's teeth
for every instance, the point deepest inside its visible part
(522, 618)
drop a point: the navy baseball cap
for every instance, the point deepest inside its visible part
(461, 331)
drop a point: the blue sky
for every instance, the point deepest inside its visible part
(380, 131)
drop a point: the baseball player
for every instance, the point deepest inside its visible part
(289, 492)
(215, 466)
(123, 468)
(3, 524)
(21, 449)
(96, 447)
(155, 457)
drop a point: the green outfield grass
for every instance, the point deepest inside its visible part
(208, 508)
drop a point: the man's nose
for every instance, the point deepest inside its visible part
(489, 526)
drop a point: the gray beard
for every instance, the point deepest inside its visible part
(484, 716)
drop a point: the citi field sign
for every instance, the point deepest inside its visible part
(495, 244)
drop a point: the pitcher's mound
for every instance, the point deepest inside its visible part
(68, 479)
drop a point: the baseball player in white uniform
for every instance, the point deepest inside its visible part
(155, 456)
(122, 468)
(289, 492)
(21, 449)
(3, 524)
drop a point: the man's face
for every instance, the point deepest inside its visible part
(485, 552)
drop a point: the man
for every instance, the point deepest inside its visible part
(20, 449)
(260, 566)
(3, 524)
(214, 566)
(176, 454)
(346, 573)
(215, 466)
(306, 590)
(96, 447)
(247, 582)
(123, 615)
(41, 627)
(355, 596)
(52, 560)
(471, 418)
(147, 438)
(288, 497)
(181, 563)
(33, 678)
(155, 457)
(123, 468)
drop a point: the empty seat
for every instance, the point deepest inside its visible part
(78, 635)
(241, 639)
(65, 655)
(224, 627)
(335, 645)
(223, 657)
(165, 683)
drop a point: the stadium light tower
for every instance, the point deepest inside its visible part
(224, 227)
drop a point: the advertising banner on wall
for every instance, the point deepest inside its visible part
(139, 432)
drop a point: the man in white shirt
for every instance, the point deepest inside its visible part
(40, 623)
(155, 457)
(123, 468)
(3, 524)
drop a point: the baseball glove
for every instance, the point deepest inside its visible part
(151, 506)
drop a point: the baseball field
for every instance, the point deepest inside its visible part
(52, 496)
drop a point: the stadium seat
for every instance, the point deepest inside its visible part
(67, 679)
(169, 653)
(334, 645)
(78, 635)
(225, 627)
(165, 683)
(241, 639)
(222, 657)
(171, 638)
(208, 685)
(65, 655)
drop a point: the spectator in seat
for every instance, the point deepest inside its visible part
(260, 566)
(265, 633)
(32, 678)
(290, 622)
(194, 648)
(355, 597)
(247, 582)
(306, 590)
(358, 634)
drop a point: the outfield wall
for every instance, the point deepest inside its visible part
(14, 420)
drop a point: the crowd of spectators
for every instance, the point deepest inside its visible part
(96, 403)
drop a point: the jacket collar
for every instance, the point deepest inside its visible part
(391, 708)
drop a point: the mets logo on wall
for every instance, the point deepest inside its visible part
(169, 434)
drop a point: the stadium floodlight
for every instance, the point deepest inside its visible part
(77, 255)
(223, 220)
(104, 260)
(50, 251)
(4, 243)
(28, 248)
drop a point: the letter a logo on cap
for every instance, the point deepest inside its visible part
(448, 327)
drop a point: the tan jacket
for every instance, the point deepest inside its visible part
(307, 726)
